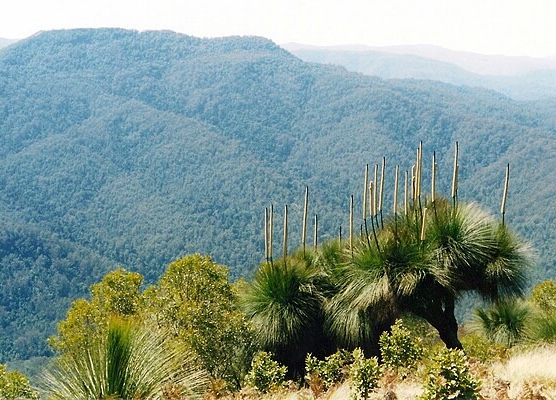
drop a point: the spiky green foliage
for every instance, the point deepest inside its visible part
(284, 304)
(471, 252)
(397, 270)
(543, 328)
(129, 362)
(505, 322)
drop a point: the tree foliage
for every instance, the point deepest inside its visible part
(117, 295)
(194, 301)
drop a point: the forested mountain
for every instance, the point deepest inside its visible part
(133, 149)
(521, 78)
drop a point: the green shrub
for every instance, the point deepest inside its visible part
(15, 385)
(449, 378)
(322, 374)
(364, 374)
(400, 350)
(481, 349)
(266, 374)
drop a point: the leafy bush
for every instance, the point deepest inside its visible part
(543, 296)
(481, 349)
(15, 385)
(322, 374)
(266, 374)
(449, 378)
(399, 349)
(364, 374)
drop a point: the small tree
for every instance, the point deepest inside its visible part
(543, 296)
(364, 374)
(399, 349)
(194, 301)
(117, 295)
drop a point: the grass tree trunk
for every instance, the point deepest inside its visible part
(441, 315)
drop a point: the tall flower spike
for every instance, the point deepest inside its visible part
(381, 194)
(396, 191)
(315, 237)
(351, 223)
(270, 231)
(424, 224)
(266, 233)
(305, 208)
(455, 174)
(375, 191)
(505, 194)
(365, 191)
(285, 232)
(433, 178)
(406, 194)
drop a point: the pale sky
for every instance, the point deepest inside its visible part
(510, 27)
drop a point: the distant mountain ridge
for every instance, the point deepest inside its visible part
(134, 148)
(6, 42)
(523, 78)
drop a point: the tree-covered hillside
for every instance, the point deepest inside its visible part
(133, 149)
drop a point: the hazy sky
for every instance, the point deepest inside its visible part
(512, 27)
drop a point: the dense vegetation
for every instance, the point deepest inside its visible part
(133, 149)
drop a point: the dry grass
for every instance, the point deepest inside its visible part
(530, 373)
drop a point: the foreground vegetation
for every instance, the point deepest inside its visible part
(369, 315)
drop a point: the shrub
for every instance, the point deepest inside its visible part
(399, 350)
(364, 374)
(481, 349)
(449, 378)
(15, 385)
(322, 374)
(266, 374)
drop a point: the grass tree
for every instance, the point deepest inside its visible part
(505, 322)
(284, 304)
(477, 255)
(129, 362)
(421, 262)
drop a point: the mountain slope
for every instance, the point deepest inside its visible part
(133, 149)
(521, 78)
